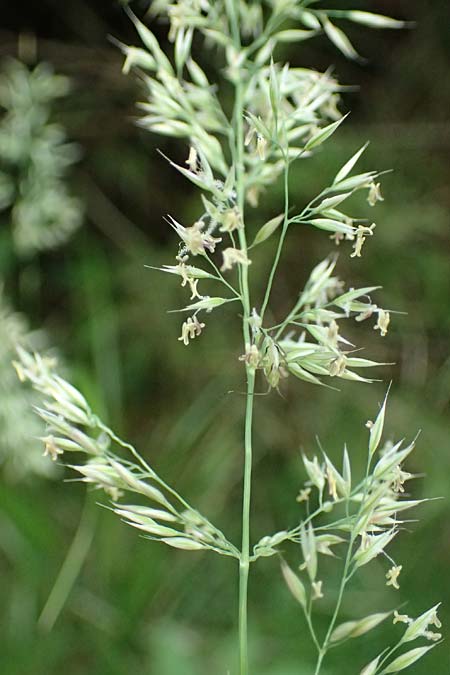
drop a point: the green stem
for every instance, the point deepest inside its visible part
(244, 564)
(323, 650)
(312, 630)
(238, 158)
(342, 586)
(345, 575)
(319, 663)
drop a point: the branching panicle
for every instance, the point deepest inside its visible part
(280, 115)
(73, 427)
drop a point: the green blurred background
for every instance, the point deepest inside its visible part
(136, 607)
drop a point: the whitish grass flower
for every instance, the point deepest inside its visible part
(362, 232)
(374, 195)
(232, 257)
(303, 495)
(192, 160)
(191, 329)
(231, 220)
(196, 240)
(252, 356)
(338, 366)
(399, 479)
(317, 593)
(261, 147)
(383, 322)
(392, 576)
(401, 618)
(51, 448)
(193, 283)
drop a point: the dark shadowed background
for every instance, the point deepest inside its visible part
(136, 607)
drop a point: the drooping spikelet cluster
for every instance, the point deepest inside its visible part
(71, 427)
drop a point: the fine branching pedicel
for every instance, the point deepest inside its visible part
(281, 115)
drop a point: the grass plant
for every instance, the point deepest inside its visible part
(233, 155)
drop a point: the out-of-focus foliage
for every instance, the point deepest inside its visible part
(103, 308)
(20, 450)
(37, 212)
(34, 159)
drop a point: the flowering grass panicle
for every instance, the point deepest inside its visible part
(281, 115)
